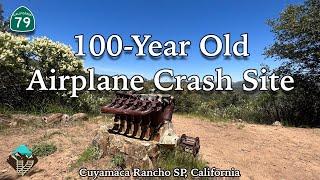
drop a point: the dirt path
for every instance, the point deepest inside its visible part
(258, 151)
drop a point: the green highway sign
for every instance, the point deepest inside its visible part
(22, 20)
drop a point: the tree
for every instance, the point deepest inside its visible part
(1, 12)
(297, 45)
(297, 39)
(4, 24)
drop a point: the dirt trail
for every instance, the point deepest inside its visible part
(258, 151)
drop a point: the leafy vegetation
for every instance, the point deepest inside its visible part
(20, 57)
(43, 149)
(89, 154)
(297, 46)
(171, 159)
(118, 160)
(4, 24)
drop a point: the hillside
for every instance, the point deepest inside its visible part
(258, 151)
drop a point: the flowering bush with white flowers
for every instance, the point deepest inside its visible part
(20, 57)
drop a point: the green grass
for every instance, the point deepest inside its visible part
(171, 159)
(35, 110)
(89, 154)
(118, 160)
(43, 149)
(5, 109)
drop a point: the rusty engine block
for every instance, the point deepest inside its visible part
(189, 144)
(140, 115)
(148, 117)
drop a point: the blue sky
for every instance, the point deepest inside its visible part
(165, 20)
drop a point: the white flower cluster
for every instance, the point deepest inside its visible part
(26, 55)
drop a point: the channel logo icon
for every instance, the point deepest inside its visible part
(22, 159)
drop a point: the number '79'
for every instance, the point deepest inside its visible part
(26, 20)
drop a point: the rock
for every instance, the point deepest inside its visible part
(51, 132)
(54, 118)
(23, 118)
(137, 153)
(5, 122)
(167, 135)
(4, 116)
(277, 123)
(10, 176)
(17, 119)
(13, 123)
(65, 118)
(238, 121)
(4, 170)
(79, 117)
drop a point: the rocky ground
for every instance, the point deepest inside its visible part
(258, 151)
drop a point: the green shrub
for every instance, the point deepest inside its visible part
(43, 149)
(89, 154)
(171, 159)
(20, 57)
(118, 160)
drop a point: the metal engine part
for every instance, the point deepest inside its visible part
(168, 136)
(189, 144)
(140, 115)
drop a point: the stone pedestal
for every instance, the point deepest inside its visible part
(137, 153)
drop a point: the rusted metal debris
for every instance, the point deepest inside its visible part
(189, 144)
(148, 117)
(140, 115)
